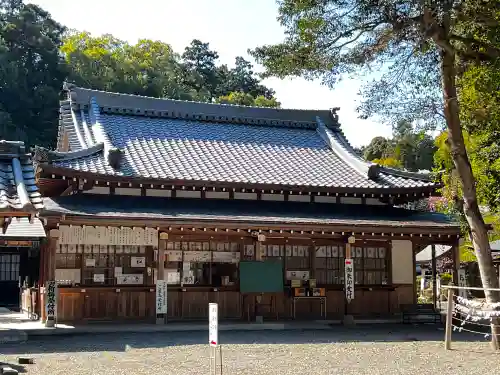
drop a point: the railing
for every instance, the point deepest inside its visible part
(471, 312)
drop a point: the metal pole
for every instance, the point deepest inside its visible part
(449, 320)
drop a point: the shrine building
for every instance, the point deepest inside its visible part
(20, 227)
(252, 208)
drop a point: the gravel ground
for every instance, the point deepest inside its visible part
(359, 350)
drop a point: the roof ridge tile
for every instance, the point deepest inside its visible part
(368, 170)
(215, 112)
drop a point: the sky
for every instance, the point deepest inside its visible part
(231, 27)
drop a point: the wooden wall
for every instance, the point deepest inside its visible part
(138, 304)
(101, 304)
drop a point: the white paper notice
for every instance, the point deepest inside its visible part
(137, 261)
(89, 262)
(173, 277)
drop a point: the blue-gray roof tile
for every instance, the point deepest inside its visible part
(174, 140)
(18, 189)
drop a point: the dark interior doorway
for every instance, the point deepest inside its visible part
(18, 266)
(9, 279)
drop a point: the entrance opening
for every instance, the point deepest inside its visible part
(9, 279)
(19, 266)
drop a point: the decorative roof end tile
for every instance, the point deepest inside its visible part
(115, 158)
(373, 171)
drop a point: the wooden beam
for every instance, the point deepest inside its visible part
(430, 234)
(408, 193)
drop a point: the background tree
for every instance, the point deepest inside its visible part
(201, 72)
(37, 55)
(243, 79)
(407, 149)
(241, 98)
(148, 68)
(378, 148)
(480, 115)
(419, 41)
(31, 72)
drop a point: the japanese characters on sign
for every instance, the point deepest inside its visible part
(349, 279)
(161, 296)
(462, 282)
(213, 324)
(51, 301)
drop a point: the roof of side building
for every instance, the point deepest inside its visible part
(18, 189)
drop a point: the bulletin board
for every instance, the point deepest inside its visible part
(261, 277)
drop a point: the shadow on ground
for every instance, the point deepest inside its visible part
(125, 341)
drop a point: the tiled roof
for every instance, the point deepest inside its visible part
(18, 189)
(161, 139)
(262, 212)
(426, 254)
(24, 228)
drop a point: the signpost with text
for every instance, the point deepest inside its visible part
(213, 335)
(161, 300)
(51, 304)
(462, 282)
(213, 324)
(349, 279)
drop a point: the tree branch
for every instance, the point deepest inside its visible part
(491, 50)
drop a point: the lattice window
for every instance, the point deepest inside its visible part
(330, 265)
(204, 263)
(371, 265)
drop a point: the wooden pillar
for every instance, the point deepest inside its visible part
(498, 274)
(455, 256)
(51, 271)
(258, 248)
(414, 262)
(160, 270)
(312, 261)
(258, 257)
(434, 276)
(41, 273)
(41, 279)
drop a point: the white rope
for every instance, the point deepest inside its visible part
(469, 288)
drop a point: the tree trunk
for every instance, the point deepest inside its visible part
(479, 232)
